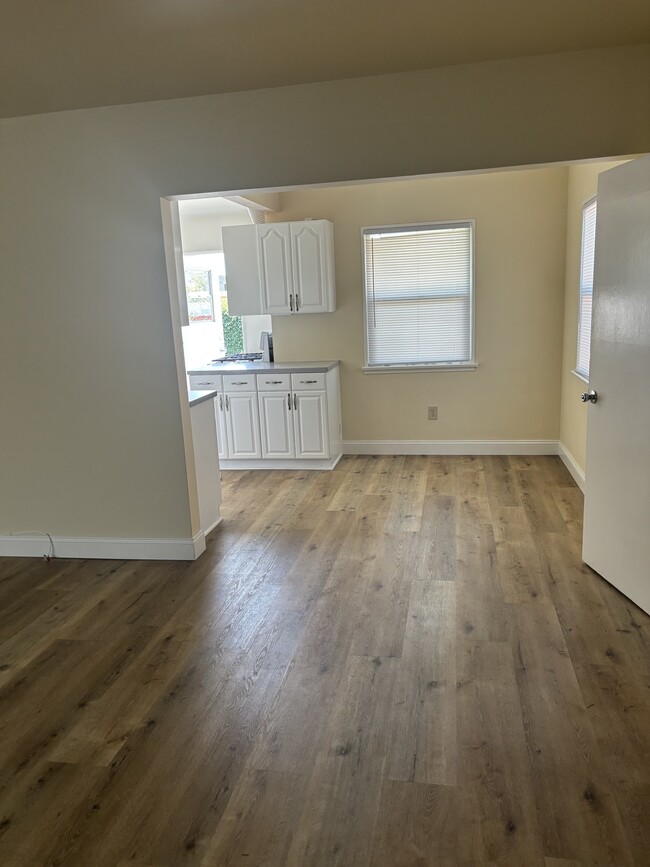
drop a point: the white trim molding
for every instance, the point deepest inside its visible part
(572, 466)
(279, 463)
(101, 548)
(450, 447)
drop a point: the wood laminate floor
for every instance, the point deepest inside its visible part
(401, 662)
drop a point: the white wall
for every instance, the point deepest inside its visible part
(92, 441)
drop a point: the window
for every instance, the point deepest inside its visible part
(212, 333)
(419, 295)
(586, 287)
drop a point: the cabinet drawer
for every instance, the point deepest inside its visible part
(239, 382)
(274, 382)
(308, 381)
(205, 382)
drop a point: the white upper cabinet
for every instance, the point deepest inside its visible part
(242, 270)
(276, 272)
(281, 269)
(312, 248)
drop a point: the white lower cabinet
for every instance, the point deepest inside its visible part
(310, 424)
(222, 431)
(279, 420)
(294, 425)
(242, 425)
(276, 424)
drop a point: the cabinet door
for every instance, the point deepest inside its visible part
(310, 424)
(276, 277)
(243, 425)
(313, 266)
(276, 425)
(222, 435)
(242, 270)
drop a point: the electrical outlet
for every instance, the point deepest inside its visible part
(432, 413)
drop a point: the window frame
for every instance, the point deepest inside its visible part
(584, 377)
(471, 363)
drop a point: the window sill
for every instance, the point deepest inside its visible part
(419, 368)
(580, 376)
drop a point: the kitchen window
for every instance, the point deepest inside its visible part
(212, 332)
(419, 296)
(588, 250)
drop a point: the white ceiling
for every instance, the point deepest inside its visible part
(62, 54)
(212, 206)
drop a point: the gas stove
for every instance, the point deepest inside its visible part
(243, 356)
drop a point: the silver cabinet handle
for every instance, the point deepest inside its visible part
(241, 382)
(297, 303)
(221, 402)
(273, 381)
(227, 403)
(204, 383)
(295, 402)
(308, 381)
(590, 396)
(291, 303)
(289, 400)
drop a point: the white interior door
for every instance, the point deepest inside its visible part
(617, 494)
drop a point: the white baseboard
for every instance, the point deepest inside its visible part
(281, 464)
(572, 466)
(209, 529)
(450, 447)
(38, 545)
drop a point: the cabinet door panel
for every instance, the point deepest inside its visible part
(222, 433)
(312, 264)
(276, 425)
(243, 425)
(310, 424)
(242, 270)
(276, 277)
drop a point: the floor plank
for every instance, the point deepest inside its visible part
(399, 663)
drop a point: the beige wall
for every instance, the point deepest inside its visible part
(519, 246)
(92, 440)
(583, 184)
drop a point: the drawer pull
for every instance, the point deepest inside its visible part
(308, 381)
(204, 383)
(241, 382)
(274, 382)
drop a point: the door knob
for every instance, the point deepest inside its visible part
(590, 396)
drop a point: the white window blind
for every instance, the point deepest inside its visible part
(586, 287)
(418, 294)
